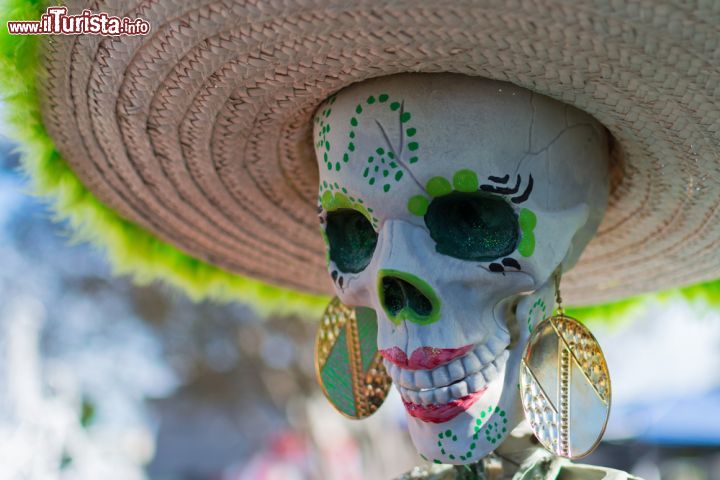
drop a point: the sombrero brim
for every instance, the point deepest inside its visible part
(199, 133)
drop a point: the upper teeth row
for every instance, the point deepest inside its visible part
(470, 384)
(462, 376)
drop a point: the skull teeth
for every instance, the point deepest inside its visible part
(471, 363)
(459, 389)
(456, 370)
(490, 371)
(476, 382)
(484, 354)
(423, 379)
(443, 384)
(407, 377)
(411, 395)
(427, 397)
(440, 376)
(442, 395)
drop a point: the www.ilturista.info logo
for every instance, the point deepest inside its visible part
(56, 21)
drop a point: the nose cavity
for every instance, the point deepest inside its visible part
(399, 294)
(404, 296)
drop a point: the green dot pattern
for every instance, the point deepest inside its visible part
(418, 205)
(333, 197)
(495, 430)
(438, 186)
(537, 313)
(451, 438)
(323, 128)
(492, 425)
(465, 181)
(527, 220)
(394, 173)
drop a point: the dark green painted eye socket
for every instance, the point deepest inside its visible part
(351, 238)
(472, 226)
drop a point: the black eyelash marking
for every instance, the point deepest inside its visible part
(496, 268)
(526, 193)
(506, 263)
(502, 190)
(502, 180)
(511, 263)
(337, 279)
(510, 191)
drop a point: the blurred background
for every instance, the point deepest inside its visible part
(100, 379)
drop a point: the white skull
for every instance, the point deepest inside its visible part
(448, 202)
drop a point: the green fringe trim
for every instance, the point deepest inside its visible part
(704, 295)
(132, 250)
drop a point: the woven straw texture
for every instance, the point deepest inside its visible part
(200, 131)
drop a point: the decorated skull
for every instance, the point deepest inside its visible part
(447, 204)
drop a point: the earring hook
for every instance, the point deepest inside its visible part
(558, 296)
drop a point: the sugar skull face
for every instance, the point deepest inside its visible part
(447, 203)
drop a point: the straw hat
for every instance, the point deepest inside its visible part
(199, 132)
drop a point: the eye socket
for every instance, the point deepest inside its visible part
(352, 239)
(472, 226)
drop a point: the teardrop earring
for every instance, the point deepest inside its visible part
(348, 366)
(565, 385)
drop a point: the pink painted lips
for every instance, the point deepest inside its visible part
(438, 384)
(423, 358)
(442, 413)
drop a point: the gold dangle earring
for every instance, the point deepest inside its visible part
(565, 385)
(348, 366)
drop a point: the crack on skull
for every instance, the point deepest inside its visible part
(398, 152)
(531, 153)
(559, 135)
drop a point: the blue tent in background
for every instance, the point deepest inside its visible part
(684, 420)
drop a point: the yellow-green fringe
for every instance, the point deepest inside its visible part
(130, 249)
(134, 251)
